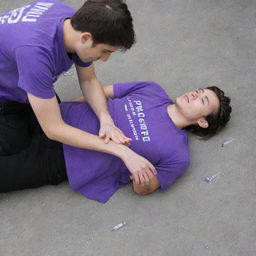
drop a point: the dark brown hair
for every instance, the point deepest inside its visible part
(216, 121)
(109, 22)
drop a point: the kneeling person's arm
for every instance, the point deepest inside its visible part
(49, 116)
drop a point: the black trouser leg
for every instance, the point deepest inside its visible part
(17, 125)
(14, 134)
(14, 128)
(42, 163)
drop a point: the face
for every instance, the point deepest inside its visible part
(88, 52)
(197, 104)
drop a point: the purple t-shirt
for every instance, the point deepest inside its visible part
(32, 50)
(139, 109)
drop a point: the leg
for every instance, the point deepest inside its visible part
(42, 163)
(14, 134)
(16, 125)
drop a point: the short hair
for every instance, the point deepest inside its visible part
(216, 121)
(109, 21)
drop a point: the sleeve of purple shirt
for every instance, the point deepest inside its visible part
(123, 89)
(36, 73)
(168, 173)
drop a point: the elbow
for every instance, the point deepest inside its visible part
(142, 191)
(146, 189)
(51, 132)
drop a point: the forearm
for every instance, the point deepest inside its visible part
(95, 97)
(48, 114)
(75, 137)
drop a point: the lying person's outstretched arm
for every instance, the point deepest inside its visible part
(108, 91)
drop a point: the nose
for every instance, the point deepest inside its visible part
(194, 95)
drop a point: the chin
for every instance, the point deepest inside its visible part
(178, 100)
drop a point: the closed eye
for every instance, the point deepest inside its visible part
(200, 90)
(107, 51)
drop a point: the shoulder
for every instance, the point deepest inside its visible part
(155, 89)
(37, 55)
(175, 148)
(145, 86)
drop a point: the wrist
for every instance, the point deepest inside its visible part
(104, 117)
(121, 151)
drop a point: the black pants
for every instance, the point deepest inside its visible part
(16, 127)
(28, 158)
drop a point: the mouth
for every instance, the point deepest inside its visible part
(186, 98)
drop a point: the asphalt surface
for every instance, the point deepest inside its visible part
(182, 45)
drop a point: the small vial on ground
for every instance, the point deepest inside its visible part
(118, 226)
(226, 142)
(206, 247)
(210, 178)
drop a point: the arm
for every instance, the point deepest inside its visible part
(48, 114)
(94, 95)
(92, 91)
(108, 91)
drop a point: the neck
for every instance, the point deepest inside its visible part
(178, 119)
(70, 36)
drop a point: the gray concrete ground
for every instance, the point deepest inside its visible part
(182, 44)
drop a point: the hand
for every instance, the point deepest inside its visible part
(108, 131)
(141, 169)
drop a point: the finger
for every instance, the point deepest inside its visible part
(125, 137)
(128, 139)
(142, 179)
(121, 139)
(116, 139)
(150, 175)
(106, 140)
(152, 169)
(102, 134)
(127, 144)
(131, 178)
(146, 176)
(136, 178)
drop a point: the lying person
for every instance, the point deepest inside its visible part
(144, 112)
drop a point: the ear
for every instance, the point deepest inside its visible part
(202, 123)
(86, 37)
